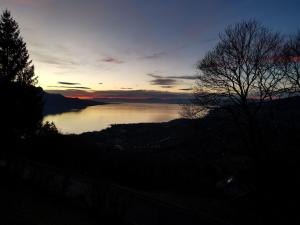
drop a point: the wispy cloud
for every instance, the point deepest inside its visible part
(163, 82)
(167, 86)
(185, 89)
(71, 87)
(53, 60)
(155, 55)
(126, 88)
(154, 75)
(160, 54)
(68, 83)
(112, 60)
(183, 77)
(168, 81)
(187, 77)
(81, 87)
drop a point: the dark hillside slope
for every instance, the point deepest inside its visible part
(56, 103)
(204, 163)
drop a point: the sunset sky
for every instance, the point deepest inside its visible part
(98, 45)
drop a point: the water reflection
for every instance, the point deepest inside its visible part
(95, 118)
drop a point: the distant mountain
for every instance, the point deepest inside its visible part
(130, 96)
(144, 100)
(57, 103)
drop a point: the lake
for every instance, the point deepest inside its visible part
(95, 118)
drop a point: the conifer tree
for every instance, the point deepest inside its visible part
(21, 102)
(15, 65)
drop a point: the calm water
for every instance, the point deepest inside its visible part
(96, 118)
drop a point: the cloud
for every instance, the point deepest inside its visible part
(160, 54)
(126, 88)
(71, 87)
(183, 77)
(100, 83)
(156, 55)
(80, 87)
(187, 77)
(53, 60)
(168, 86)
(185, 89)
(163, 82)
(68, 83)
(154, 75)
(112, 60)
(168, 81)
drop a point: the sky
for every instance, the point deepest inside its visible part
(99, 45)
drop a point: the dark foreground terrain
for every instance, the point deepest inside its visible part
(207, 167)
(23, 204)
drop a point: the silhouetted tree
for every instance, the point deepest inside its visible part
(241, 69)
(48, 129)
(21, 101)
(291, 60)
(15, 64)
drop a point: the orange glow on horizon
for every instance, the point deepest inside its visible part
(110, 97)
(80, 96)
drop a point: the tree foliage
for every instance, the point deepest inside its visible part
(15, 64)
(21, 101)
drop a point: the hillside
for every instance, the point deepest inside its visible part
(56, 103)
(145, 100)
(204, 165)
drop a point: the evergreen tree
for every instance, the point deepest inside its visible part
(15, 64)
(21, 102)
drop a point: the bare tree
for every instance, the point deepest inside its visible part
(192, 111)
(291, 60)
(241, 69)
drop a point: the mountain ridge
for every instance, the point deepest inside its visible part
(57, 103)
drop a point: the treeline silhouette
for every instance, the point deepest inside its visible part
(21, 101)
